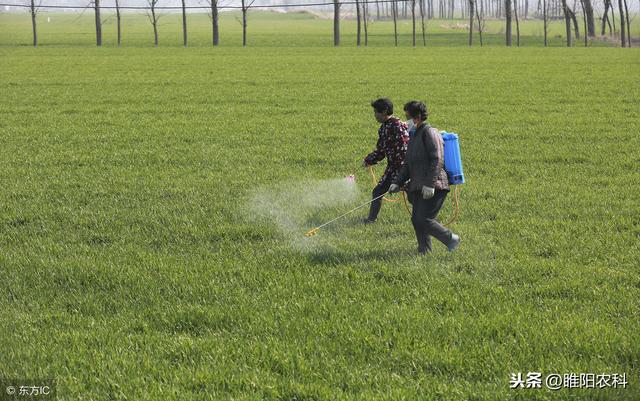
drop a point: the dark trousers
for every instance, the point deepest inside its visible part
(382, 187)
(424, 220)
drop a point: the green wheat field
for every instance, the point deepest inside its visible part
(153, 203)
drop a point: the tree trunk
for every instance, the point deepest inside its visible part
(515, 11)
(626, 10)
(572, 14)
(394, 9)
(365, 13)
(622, 27)
(470, 22)
(584, 19)
(424, 35)
(358, 23)
(184, 23)
(544, 16)
(155, 23)
(378, 10)
(567, 22)
(33, 23)
(507, 13)
(413, 20)
(336, 23)
(591, 25)
(605, 18)
(96, 8)
(119, 22)
(244, 24)
(479, 22)
(214, 22)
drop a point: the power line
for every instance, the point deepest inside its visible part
(219, 7)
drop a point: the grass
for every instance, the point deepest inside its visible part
(131, 268)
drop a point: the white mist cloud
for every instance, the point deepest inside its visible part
(294, 208)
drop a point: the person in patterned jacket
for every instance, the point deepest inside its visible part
(392, 144)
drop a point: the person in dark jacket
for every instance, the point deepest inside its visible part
(428, 184)
(392, 144)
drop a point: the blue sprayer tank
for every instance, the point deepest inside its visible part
(452, 158)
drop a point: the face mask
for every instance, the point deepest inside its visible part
(410, 124)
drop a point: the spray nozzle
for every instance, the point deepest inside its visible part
(311, 232)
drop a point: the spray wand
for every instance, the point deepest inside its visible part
(314, 231)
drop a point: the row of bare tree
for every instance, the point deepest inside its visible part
(474, 10)
(213, 12)
(570, 18)
(510, 10)
(154, 18)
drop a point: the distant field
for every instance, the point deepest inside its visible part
(266, 29)
(138, 260)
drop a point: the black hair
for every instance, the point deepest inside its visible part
(383, 105)
(417, 109)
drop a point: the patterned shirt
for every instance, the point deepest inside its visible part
(392, 144)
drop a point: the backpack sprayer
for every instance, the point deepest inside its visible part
(452, 158)
(452, 165)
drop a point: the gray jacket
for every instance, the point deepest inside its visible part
(424, 162)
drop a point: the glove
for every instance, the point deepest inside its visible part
(427, 192)
(394, 188)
